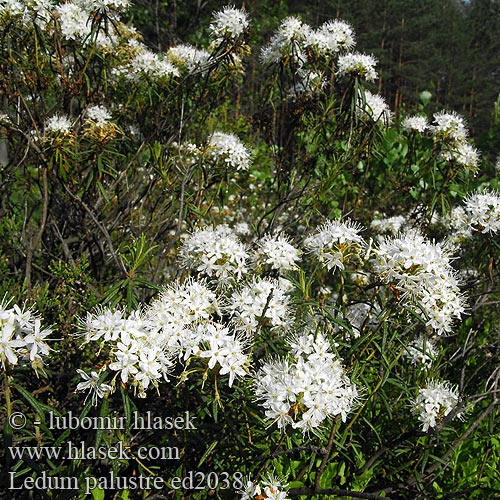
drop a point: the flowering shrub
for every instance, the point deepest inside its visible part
(288, 291)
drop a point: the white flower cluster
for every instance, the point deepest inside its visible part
(12, 7)
(415, 124)
(264, 301)
(230, 150)
(28, 11)
(22, 336)
(335, 243)
(216, 252)
(287, 43)
(179, 324)
(330, 38)
(482, 211)
(277, 252)
(73, 20)
(269, 489)
(422, 273)
(298, 46)
(58, 124)
(362, 65)
(220, 148)
(373, 107)
(186, 153)
(228, 24)
(421, 352)
(76, 21)
(294, 38)
(457, 223)
(389, 225)
(98, 115)
(466, 155)
(450, 129)
(137, 352)
(216, 343)
(149, 64)
(449, 126)
(434, 402)
(306, 388)
(189, 58)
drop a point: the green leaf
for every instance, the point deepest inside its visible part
(40, 408)
(207, 452)
(98, 494)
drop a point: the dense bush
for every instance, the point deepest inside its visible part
(293, 296)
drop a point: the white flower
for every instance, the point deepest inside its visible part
(434, 402)
(149, 64)
(277, 252)
(215, 252)
(373, 107)
(150, 369)
(356, 64)
(270, 489)
(482, 211)
(415, 123)
(263, 301)
(126, 361)
(236, 362)
(21, 335)
(104, 323)
(449, 126)
(467, 156)
(100, 115)
(229, 23)
(242, 229)
(335, 243)
(307, 388)
(287, 43)
(217, 351)
(13, 7)
(462, 153)
(224, 348)
(331, 37)
(250, 491)
(421, 352)
(73, 20)
(9, 343)
(35, 341)
(58, 124)
(389, 225)
(189, 57)
(230, 150)
(76, 22)
(91, 383)
(421, 271)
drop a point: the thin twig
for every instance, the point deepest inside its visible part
(326, 456)
(103, 230)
